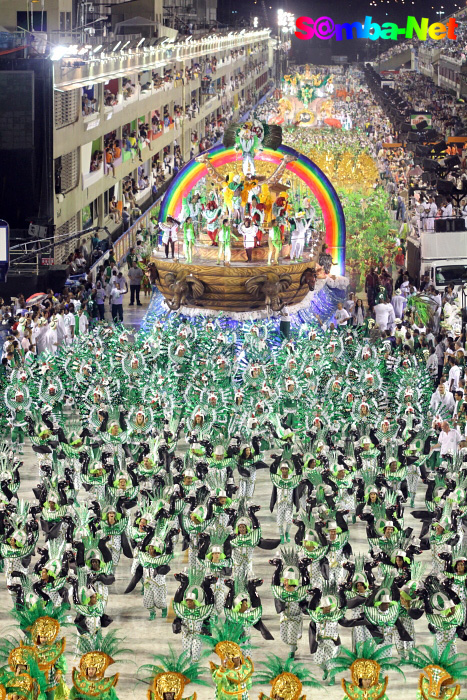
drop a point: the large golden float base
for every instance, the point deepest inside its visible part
(224, 287)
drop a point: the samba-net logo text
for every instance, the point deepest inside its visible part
(325, 28)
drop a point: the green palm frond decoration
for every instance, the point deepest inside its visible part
(226, 631)
(6, 678)
(274, 666)
(177, 663)
(22, 512)
(26, 617)
(365, 650)
(8, 642)
(289, 556)
(421, 307)
(454, 664)
(108, 644)
(82, 513)
(37, 674)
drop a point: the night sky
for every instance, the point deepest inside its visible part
(315, 50)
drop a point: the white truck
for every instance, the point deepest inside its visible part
(443, 256)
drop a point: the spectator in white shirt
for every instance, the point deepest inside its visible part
(454, 373)
(404, 288)
(26, 342)
(83, 323)
(435, 301)
(399, 302)
(448, 440)
(341, 315)
(430, 338)
(349, 304)
(384, 315)
(69, 323)
(122, 281)
(432, 364)
(447, 209)
(76, 303)
(116, 300)
(442, 397)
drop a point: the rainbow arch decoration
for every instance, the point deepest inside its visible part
(303, 167)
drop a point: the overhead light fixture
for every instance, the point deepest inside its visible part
(116, 46)
(125, 44)
(59, 52)
(139, 43)
(98, 48)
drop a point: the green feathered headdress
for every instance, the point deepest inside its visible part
(365, 650)
(175, 663)
(226, 632)
(82, 517)
(20, 517)
(108, 644)
(274, 666)
(8, 642)
(454, 664)
(26, 617)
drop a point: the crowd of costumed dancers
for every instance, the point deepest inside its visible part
(151, 445)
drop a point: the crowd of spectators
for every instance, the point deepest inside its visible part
(405, 175)
(89, 105)
(388, 294)
(27, 330)
(454, 49)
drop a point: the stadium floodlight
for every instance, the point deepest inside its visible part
(58, 53)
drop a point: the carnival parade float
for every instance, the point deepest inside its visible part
(251, 224)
